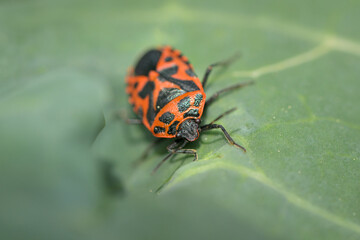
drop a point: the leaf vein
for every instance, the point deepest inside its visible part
(287, 63)
(263, 179)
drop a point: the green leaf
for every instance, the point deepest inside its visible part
(67, 159)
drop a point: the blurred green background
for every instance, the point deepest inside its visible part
(66, 159)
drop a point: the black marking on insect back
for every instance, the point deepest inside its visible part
(169, 71)
(186, 85)
(192, 113)
(150, 115)
(168, 59)
(148, 91)
(172, 128)
(147, 62)
(166, 95)
(135, 85)
(184, 104)
(159, 129)
(167, 117)
(190, 72)
(198, 99)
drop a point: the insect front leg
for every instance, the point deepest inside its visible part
(188, 151)
(227, 135)
(176, 150)
(221, 63)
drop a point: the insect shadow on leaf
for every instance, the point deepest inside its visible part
(112, 184)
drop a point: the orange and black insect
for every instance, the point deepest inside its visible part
(169, 98)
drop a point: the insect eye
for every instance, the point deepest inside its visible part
(198, 120)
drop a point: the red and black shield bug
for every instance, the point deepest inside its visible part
(169, 98)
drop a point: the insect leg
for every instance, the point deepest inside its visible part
(160, 163)
(222, 115)
(188, 151)
(233, 87)
(143, 156)
(184, 151)
(227, 136)
(171, 148)
(174, 148)
(221, 63)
